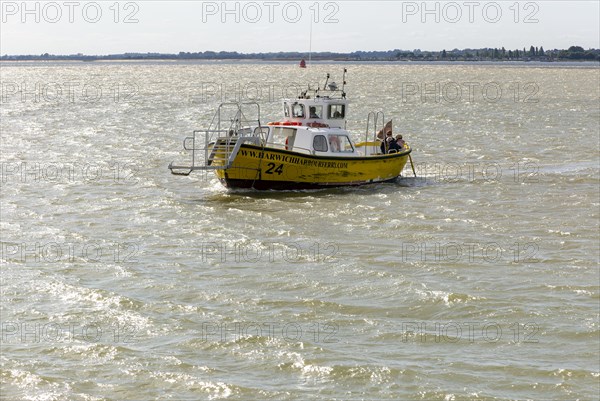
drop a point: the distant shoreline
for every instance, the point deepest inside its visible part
(325, 60)
(506, 63)
(492, 55)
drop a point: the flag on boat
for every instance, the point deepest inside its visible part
(383, 132)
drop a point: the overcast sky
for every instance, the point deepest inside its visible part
(104, 27)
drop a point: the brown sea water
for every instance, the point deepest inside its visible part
(478, 279)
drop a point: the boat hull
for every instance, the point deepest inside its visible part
(278, 169)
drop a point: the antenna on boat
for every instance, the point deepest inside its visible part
(326, 80)
(344, 83)
(310, 44)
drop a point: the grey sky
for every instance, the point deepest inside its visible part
(102, 27)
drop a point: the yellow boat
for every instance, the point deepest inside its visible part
(309, 148)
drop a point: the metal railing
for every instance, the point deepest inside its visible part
(374, 117)
(222, 141)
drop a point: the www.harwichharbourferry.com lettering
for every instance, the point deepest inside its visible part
(293, 159)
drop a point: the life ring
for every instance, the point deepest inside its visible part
(287, 139)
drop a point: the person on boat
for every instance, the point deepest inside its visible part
(400, 142)
(389, 144)
(393, 145)
(313, 112)
(384, 145)
(334, 144)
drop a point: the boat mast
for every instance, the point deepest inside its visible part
(310, 43)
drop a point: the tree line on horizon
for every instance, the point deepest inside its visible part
(485, 54)
(534, 53)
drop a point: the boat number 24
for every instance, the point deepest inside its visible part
(272, 169)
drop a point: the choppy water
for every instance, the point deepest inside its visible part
(477, 280)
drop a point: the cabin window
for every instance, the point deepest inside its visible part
(282, 136)
(337, 111)
(262, 132)
(286, 110)
(340, 144)
(283, 132)
(298, 110)
(315, 111)
(320, 143)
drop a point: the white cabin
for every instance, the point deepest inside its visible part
(319, 112)
(314, 125)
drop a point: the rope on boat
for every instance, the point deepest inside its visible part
(412, 164)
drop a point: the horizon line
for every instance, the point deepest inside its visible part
(80, 54)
